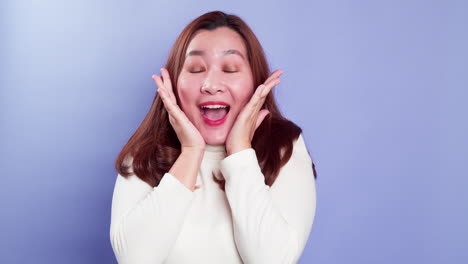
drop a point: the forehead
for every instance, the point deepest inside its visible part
(215, 42)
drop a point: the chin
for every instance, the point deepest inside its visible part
(215, 137)
(217, 140)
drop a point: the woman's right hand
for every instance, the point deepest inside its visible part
(189, 136)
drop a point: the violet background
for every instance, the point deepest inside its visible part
(379, 87)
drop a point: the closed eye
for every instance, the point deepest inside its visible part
(229, 71)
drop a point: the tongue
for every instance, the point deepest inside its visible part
(215, 114)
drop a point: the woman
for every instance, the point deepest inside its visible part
(214, 174)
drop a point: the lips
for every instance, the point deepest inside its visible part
(214, 113)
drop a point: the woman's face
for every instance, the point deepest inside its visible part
(215, 82)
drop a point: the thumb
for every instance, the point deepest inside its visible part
(261, 116)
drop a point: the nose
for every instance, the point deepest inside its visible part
(213, 83)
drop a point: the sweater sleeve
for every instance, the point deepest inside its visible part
(146, 221)
(271, 225)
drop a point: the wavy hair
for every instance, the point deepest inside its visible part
(154, 147)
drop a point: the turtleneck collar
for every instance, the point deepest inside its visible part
(215, 151)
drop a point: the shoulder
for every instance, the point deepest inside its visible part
(297, 173)
(300, 149)
(132, 178)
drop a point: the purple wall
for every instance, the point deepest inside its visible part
(380, 90)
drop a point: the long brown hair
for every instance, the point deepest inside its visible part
(154, 147)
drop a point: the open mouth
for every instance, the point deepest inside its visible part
(214, 112)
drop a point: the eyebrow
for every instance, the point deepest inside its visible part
(226, 52)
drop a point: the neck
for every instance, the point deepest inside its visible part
(215, 151)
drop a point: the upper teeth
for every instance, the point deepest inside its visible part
(214, 106)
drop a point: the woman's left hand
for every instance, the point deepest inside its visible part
(250, 118)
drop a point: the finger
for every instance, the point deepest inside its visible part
(158, 82)
(275, 74)
(268, 86)
(260, 98)
(253, 107)
(167, 83)
(260, 94)
(166, 100)
(169, 104)
(261, 116)
(256, 97)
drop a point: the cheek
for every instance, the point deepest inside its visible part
(243, 91)
(185, 90)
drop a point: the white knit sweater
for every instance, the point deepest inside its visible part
(249, 223)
